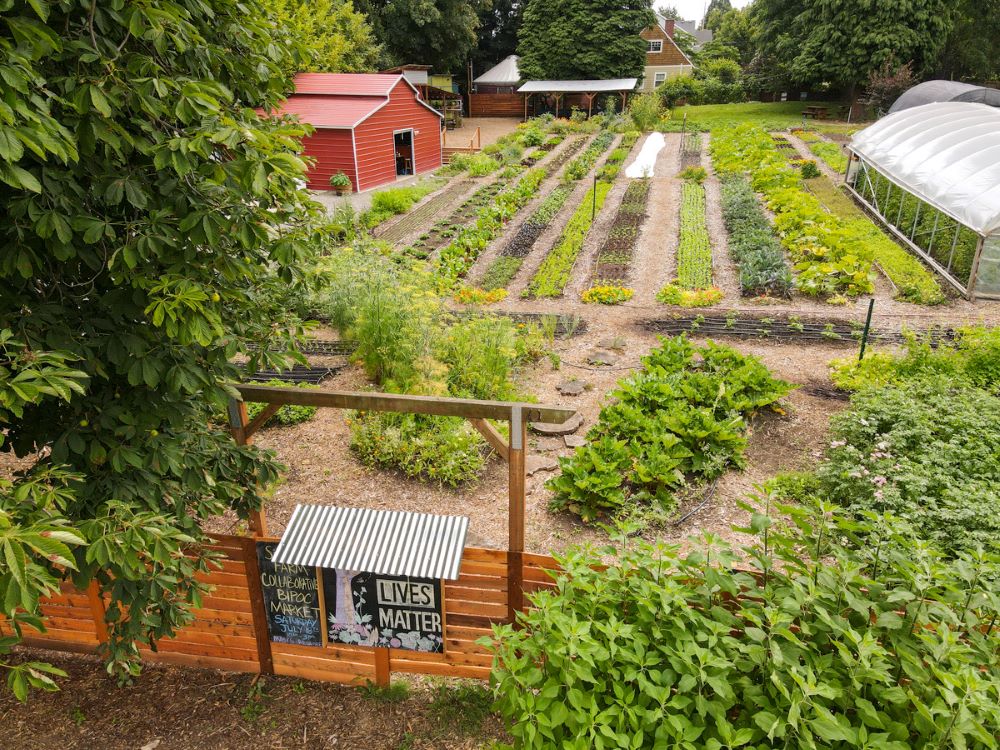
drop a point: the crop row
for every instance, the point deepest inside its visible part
(615, 256)
(829, 152)
(752, 242)
(553, 274)
(832, 255)
(505, 267)
(582, 164)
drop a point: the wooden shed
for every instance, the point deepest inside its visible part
(375, 128)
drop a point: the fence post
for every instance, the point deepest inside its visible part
(868, 325)
(382, 671)
(516, 481)
(593, 209)
(238, 421)
(98, 611)
(258, 609)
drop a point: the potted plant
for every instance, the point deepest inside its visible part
(341, 183)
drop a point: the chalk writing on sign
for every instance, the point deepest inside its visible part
(291, 599)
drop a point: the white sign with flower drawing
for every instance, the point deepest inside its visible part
(367, 609)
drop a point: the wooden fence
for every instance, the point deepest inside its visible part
(496, 105)
(230, 632)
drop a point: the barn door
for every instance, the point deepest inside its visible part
(405, 157)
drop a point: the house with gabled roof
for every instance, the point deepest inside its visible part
(664, 59)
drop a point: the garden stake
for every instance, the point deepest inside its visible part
(868, 323)
(593, 210)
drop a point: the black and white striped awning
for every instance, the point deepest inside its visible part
(388, 542)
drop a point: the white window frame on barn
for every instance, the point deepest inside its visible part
(931, 175)
(650, 49)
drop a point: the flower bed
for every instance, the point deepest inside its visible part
(693, 285)
(832, 256)
(753, 243)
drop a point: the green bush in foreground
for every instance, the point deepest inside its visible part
(668, 423)
(821, 643)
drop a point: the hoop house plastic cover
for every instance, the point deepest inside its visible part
(945, 153)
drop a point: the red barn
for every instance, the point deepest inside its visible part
(372, 127)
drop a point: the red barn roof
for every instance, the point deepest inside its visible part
(346, 84)
(325, 112)
(342, 100)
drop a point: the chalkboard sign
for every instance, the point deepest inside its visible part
(385, 611)
(291, 599)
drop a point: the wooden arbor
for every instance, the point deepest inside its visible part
(516, 414)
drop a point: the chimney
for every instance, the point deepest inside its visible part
(669, 27)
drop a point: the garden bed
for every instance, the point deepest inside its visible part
(615, 257)
(422, 215)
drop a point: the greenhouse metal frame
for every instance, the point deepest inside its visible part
(931, 174)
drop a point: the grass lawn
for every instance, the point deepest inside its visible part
(772, 116)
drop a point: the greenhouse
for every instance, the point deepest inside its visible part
(932, 175)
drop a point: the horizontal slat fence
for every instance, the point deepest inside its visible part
(497, 105)
(226, 630)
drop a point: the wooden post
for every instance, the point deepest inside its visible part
(321, 600)
(98, 611)
(516, 479)
(238, 423)
(526, 97)
(258, 609)
(382, 670)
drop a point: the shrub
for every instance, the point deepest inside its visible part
(481, 165)
(670, 422)
(288, 414)
(680, 89)
(694, 174)
(820, 644)
(646, 111)
(532, 136)
(441, 449)
(607, 294)
(340, 180)
(809, 169)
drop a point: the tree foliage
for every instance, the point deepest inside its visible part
(971, 49)
(336, 37)
(714, 13)
(499, 22)
(583, 39)
(842, 43)
(153, 228)
(440, 33)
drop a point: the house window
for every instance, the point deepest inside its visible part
(654, 45)
(659, 78)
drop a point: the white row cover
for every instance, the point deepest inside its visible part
(578, 87)
(945, 153)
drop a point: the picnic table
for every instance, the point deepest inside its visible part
(816, 113)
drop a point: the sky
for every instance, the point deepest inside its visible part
(694, 10)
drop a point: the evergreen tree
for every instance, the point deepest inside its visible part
(714, 12)
(583, 39)
(499, 22)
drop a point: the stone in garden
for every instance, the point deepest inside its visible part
(575, 441)
(568, 427)
(571, 387)
(535, 464)
(605, 359)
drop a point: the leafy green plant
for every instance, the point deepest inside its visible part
(607, 294)
(668, 423)
(809, 169)
(830, 153)
(581, 165)
(835, 633)
(288, 414)
(693, 285)
(394, 692)
(340, 180)
(694, 174)
(753, 243)
(464, 705)
(553, 274)
(646, 111)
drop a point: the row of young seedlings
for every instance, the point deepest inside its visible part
(693, 285)
(553, 274)
(505, 267)
(609, 279)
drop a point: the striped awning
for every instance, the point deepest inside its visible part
(387, 542)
